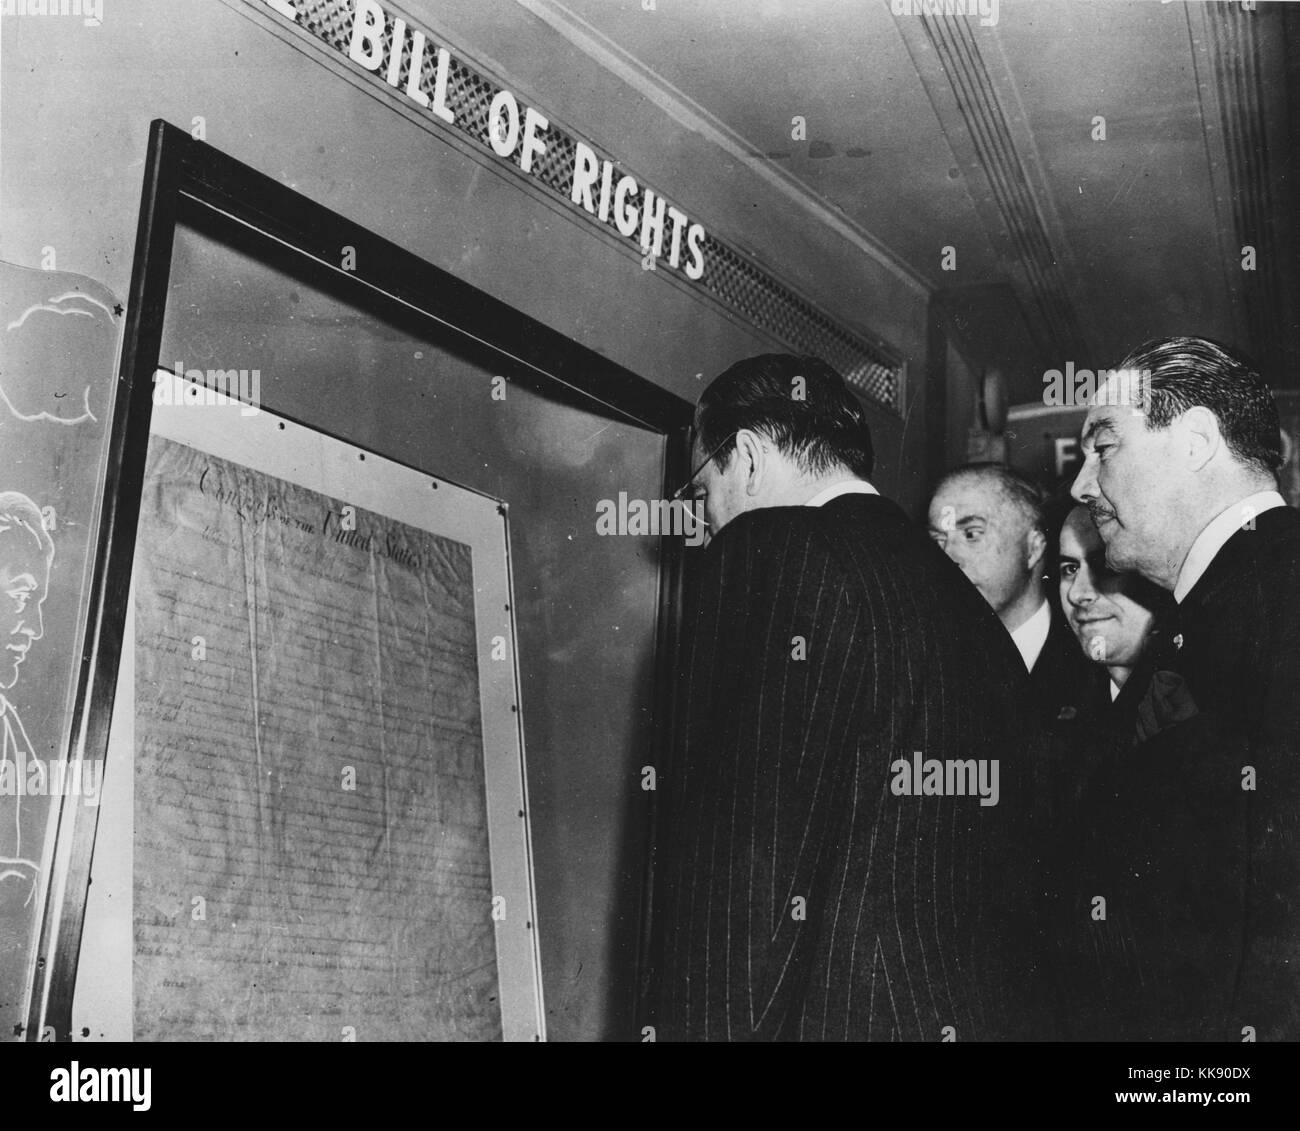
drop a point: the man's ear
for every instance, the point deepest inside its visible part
(1037, 545)
(753, 456)
(1199, 436)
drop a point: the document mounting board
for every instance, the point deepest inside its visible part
(314, 823)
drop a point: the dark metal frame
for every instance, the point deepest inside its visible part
(188, 182)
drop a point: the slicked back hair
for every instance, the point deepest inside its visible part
(801, 404)
(1018, 489)
(1190, 372)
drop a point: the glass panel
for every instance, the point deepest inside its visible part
(586, 603)
(58, 335)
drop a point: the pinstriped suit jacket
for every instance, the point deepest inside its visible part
(802, 898)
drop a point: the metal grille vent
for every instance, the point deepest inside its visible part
(730, 277)
(769, 305)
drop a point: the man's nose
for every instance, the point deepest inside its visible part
(1081, 591)
(32, 625)
(1084, 488)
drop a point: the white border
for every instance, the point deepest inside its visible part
(274, 446)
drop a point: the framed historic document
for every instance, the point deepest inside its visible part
(352, 787)
(328, 815)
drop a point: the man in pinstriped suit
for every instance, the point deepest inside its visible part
(814, 888)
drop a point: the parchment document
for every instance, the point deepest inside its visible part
(311, 851)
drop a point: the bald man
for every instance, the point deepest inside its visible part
(988, 518)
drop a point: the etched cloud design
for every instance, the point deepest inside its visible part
(49, 324)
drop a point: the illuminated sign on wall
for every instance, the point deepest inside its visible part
(433, 83)
(431, 78)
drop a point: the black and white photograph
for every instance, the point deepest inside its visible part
(651, 522)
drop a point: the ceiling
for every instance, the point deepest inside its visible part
(934, 131)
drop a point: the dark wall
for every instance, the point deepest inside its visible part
(73, 124)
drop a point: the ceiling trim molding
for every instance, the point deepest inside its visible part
(1227, 54)
(1216, 157)
(693, 117)
(1017, 213)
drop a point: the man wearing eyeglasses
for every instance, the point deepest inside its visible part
(843, 854)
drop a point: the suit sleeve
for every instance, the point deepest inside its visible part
(775, 699)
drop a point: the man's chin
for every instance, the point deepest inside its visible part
(1119, 554)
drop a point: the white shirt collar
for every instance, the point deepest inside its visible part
(1114, 690)
(844, 487)
(1211, 540)
(1032, 635)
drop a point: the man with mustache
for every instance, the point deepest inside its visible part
(805, 895)
(1195, 838)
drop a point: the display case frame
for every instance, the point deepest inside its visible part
(189, 182)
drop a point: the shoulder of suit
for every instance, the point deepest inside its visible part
(769, 522)
(765, 534)
(1059, 635)
(1283, 525)
(840, 538)
(1272, 545)
(1253, 583)
(1061, 652)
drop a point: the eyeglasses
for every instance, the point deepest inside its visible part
(703, 464)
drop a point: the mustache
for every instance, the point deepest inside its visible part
(1098, 512)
